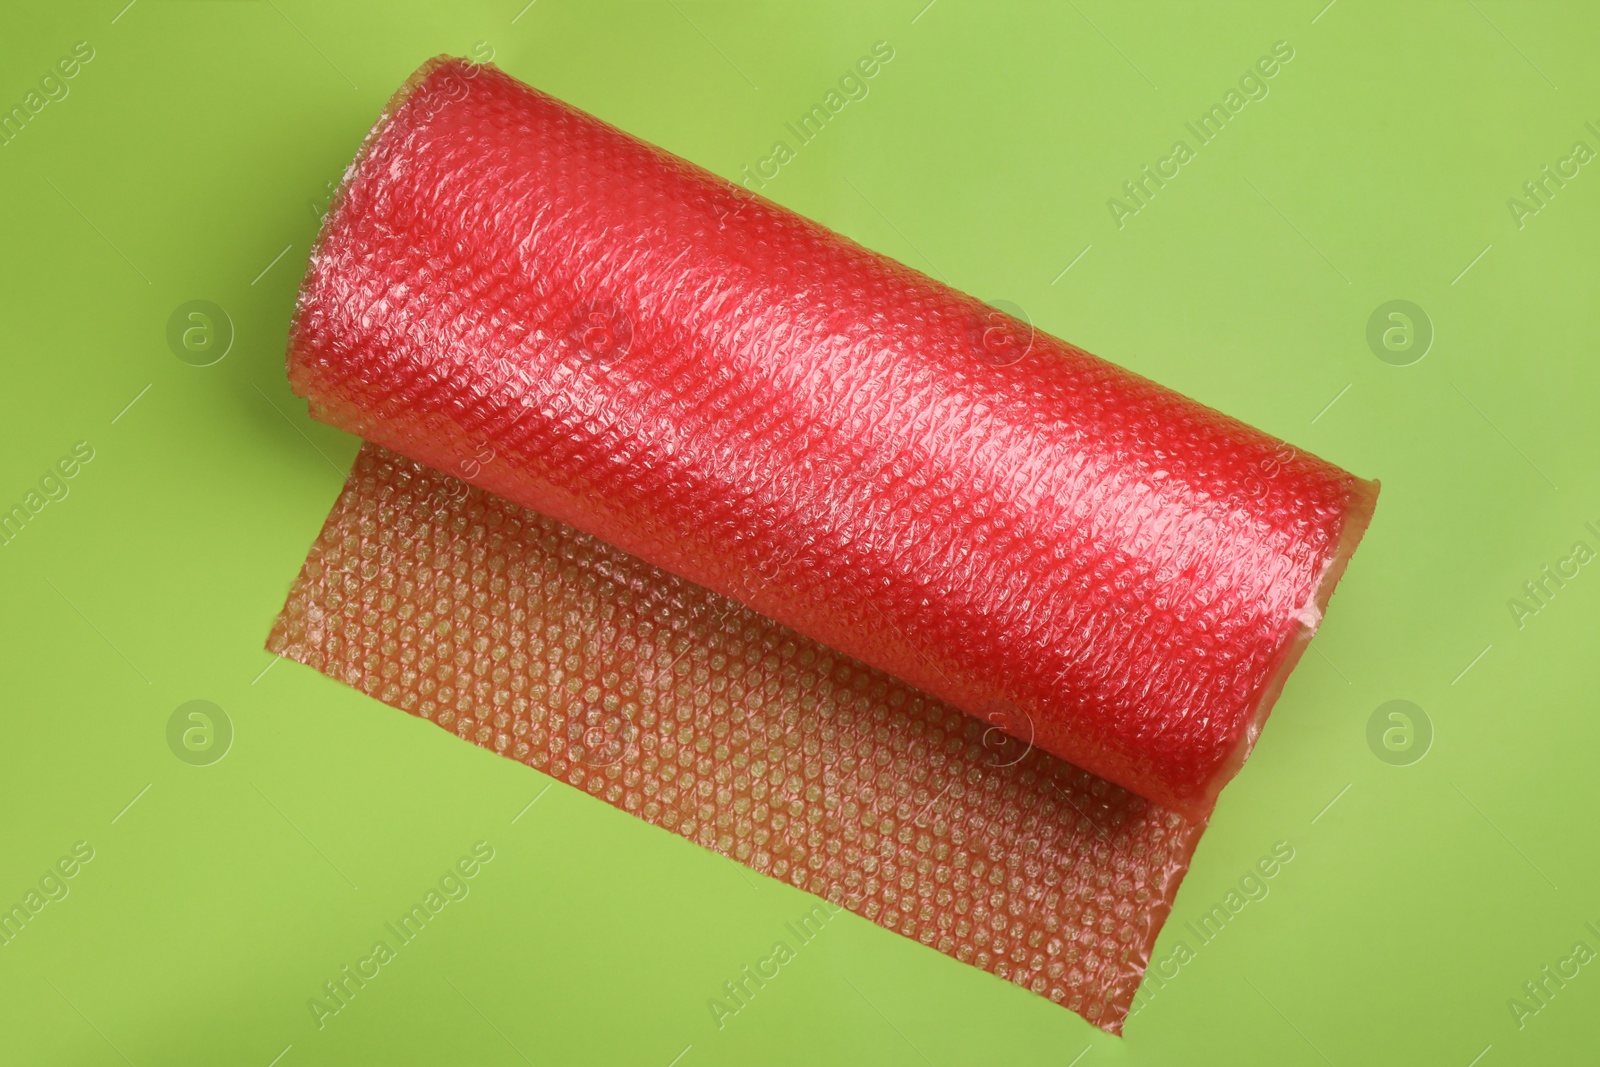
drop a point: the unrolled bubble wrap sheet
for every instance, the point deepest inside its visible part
(785, 547)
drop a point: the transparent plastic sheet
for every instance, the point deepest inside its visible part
(734, 427)
(698, 715)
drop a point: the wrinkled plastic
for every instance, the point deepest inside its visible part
(700, 716)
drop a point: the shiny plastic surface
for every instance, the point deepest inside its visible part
(512, 290)
(704, 718)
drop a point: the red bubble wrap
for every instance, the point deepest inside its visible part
(585, 325)
(698, 715)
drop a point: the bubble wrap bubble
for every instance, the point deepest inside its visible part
(580, 322)
(703, 717)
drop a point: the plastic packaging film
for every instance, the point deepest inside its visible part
(701, 716)
(785, 547)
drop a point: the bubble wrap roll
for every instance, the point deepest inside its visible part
(657, 361)
(615, 338)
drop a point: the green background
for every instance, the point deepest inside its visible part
(195, 148)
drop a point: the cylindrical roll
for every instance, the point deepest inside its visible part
(510, 290)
